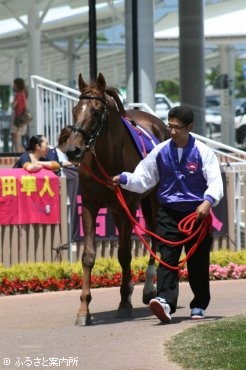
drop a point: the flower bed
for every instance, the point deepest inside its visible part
(16, 285)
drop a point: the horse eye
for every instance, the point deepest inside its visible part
(97, 113)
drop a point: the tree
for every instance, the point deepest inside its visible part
(169, 88)
(240, 82)
(5, 91)
(213, 78)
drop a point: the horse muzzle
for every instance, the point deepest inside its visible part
(75, 154)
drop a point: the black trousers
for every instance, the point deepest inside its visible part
(198, 263)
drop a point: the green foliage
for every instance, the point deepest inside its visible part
(102, 266)
(140, 263)
(101, 37)
(169, 88)
(240, 86)
(42, 271)
(224, 257)
(106, 266)
(5, 91)
(213, 77)
(212, 345)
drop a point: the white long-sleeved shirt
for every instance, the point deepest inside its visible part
(183, 184)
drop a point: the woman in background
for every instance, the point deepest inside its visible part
(59, 153)
(35, 157)
(19, 106)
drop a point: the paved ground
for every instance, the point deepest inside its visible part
(41, 327)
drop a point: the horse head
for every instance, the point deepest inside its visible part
(90, 117)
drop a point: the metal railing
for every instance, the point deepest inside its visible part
(54, 104)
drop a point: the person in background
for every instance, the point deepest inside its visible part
(70, 171)
(35, 156)
(59, 153)
(19, 105)
(189, 180)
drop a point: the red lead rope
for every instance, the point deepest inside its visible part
(185, 225)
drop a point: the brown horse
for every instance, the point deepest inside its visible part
(100, 136)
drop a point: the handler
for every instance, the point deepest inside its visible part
(189, 180)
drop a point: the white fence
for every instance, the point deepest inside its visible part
(54, 111)
(54, 104)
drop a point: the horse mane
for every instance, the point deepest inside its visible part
(114, 93)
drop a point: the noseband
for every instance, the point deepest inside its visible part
(91, 136)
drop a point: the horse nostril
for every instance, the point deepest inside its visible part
(74, 155)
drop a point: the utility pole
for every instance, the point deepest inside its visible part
(93, 39)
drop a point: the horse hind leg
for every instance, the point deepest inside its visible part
(149, 290)
(125, 310)
(149, 207)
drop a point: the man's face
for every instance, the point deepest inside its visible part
(178, 131)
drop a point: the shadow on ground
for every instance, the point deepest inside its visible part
(140, 314)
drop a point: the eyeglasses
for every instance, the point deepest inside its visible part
(174, 127)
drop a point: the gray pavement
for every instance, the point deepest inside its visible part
(38, 329)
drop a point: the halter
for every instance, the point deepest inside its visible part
(90, 137)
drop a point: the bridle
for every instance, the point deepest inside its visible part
(91, 136)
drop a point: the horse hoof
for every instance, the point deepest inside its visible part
(123, 313)
(83, 320)
(148, 296)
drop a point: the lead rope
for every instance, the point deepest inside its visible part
(185, 225)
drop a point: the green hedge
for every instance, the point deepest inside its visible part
(224, 257)
(103, 265)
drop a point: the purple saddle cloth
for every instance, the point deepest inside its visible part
(144, 140)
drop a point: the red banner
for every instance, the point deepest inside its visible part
(29, 197)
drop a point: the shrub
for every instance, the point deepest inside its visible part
(224, 257)
(39, 277)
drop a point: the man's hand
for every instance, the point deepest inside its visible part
(204, 209)
(115, 182)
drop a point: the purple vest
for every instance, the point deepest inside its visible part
(182, 184)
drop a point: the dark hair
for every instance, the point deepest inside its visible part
(182, 113)
(64, 135)
(20, 84)
(33, 141)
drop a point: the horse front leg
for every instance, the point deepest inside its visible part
(124, 257)
(88, 261)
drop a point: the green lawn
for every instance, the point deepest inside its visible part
(217, 345)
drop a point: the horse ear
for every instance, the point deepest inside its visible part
(81, 83)
(101, 83)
